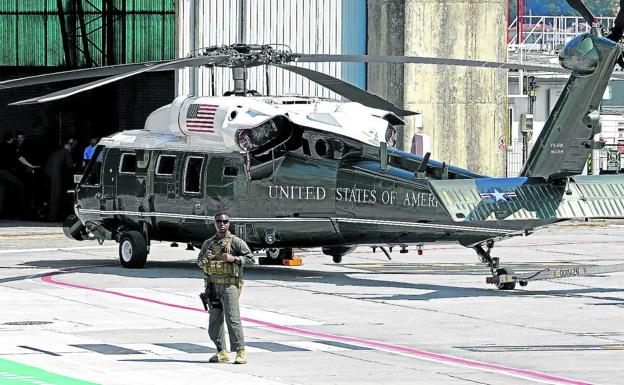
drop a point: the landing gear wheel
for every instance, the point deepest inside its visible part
(273, 253)
(337, 258)
(132, 250)
(523, 283)
(505, 285)
(275, 256)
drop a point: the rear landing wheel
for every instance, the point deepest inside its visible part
(505, 285)
(132, 250)
(337, 258)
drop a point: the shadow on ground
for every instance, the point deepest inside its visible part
(301, 278)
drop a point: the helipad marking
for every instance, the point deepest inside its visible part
(187, 347)
(276, 347)
(107, 349)
(19, 374)
(11, 251)
(404, 350)
(39, 350)
(539, 348)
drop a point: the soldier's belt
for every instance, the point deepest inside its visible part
(226, 280)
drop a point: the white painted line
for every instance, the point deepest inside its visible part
(11, 251)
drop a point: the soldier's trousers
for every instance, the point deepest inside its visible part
(230, 313)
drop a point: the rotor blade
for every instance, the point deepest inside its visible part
(85, 87)
(114, 70)
(618, 25)
(347, 90)
(583, 10)
(307, 58)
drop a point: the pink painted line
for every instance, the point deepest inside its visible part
(442, 358)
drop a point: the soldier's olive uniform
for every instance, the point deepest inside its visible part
(224, 282)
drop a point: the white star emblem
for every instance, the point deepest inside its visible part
(499, 196)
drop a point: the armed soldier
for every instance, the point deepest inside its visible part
(222, 258)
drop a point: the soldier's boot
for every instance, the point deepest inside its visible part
(221, 357)
(241, 357)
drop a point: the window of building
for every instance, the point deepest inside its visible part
(192, 175)
(128, 163)
(165, 165)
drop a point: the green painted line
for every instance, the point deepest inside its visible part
(13, 373)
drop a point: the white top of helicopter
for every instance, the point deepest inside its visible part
(211, 123)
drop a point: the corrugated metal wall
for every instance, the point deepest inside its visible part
(119, 31)
(122, 30)
(306, 26)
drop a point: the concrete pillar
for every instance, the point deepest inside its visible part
(386, 32)
(464, 109)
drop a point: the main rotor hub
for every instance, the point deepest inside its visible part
(248, 55)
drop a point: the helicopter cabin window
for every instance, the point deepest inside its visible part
(192, 175)
(230, 167)
(93, 171)
(165, 165)
(230, 171)
(128, 163)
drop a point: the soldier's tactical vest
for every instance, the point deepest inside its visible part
(214, 266)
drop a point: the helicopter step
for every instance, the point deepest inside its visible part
(505, 279)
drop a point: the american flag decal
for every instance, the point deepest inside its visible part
(200, 117)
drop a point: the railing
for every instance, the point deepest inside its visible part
(515, 157)
(548, 33)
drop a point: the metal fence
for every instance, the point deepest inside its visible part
(548, 33)
(515, 157)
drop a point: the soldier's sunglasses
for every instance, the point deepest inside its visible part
(226, 221)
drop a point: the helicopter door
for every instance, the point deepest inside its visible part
(89, 191)
(127, 184)
(109, 180)
(163, 202)
(192, 201)
(221, 182)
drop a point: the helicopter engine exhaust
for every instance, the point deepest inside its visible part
(266, 136)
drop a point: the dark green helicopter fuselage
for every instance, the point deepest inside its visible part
(292, 201)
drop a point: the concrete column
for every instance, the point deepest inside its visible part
(386, 32)
(464, 109)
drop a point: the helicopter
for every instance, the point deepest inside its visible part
(297, 171)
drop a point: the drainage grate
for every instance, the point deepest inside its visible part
(21, 323)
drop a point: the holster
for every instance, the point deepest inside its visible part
(212, 299)
(204, 300)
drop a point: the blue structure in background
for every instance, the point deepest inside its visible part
(354, 40)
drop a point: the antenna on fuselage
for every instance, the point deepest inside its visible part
(421, 172)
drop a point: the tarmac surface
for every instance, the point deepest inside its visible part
(71, 315)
